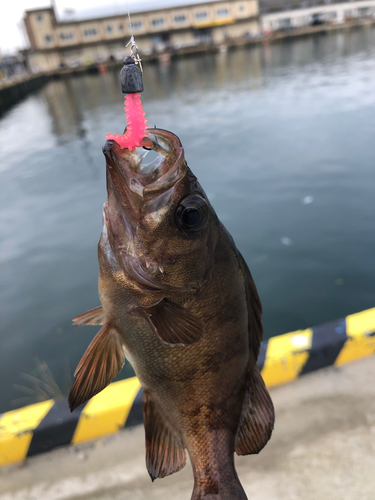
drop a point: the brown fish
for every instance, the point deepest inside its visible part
(179, 302)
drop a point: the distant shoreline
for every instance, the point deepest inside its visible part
(13, 91)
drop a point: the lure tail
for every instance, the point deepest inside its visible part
(137, 123)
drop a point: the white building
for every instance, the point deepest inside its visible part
(290, 14)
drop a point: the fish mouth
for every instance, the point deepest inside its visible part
(135, 188)
(147, 180)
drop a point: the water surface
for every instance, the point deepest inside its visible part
(281, 138)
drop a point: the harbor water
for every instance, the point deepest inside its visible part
(282, 138)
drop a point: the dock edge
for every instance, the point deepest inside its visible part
(47, 425)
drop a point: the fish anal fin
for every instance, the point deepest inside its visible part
(100, 364)
(172, 323)
(165, 453)
(258, 417)
(92, 317)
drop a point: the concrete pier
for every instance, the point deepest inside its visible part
(323, 446)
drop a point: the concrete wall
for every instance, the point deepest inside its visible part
(245, 9)
(220, 34)
(41, 29)
(44, 62)
(183, 39)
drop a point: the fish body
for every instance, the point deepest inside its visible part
(179, 302)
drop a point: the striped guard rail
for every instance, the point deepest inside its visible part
(47, 425)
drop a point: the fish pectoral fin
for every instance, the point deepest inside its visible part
(257, 417)
(92, 317)
(165, 453)
(172, 323)
(100, 364)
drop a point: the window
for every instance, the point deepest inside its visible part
(242, 8)
(158, 21)
(121, 27)
(66, 36)
(90, 32)
(40, 18)
(137, 25)
(201, 15)
(222, 13)
(48, 38)
(285, 23)
(109, 29)
(181, 18)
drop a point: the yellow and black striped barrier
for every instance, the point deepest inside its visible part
(47, 425)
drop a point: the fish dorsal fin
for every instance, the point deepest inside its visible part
(92, 317)
(257, 417)
(172, 323)
(100, 364)
(165, 453)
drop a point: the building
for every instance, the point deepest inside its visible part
(12, 66)
(279, 15)
(57, 43)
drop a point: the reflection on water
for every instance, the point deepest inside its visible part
(264, 129)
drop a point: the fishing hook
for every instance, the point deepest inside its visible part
(136, 56)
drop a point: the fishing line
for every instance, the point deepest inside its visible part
(132, 43)
(132, 86)
(130, 23)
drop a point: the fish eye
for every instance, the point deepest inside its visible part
(192, 214)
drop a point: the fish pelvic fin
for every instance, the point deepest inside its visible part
(165, 453)
(175, 325)
(257, 418)
(100, 364)
(92, 317)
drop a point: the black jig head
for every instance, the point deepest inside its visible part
(131, 77)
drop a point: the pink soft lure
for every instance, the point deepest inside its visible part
(136, 129)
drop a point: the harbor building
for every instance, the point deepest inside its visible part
(281, 15)
(55, 43)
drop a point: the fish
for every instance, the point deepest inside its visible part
(179, 303)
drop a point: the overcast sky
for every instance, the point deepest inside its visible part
(12, 33)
